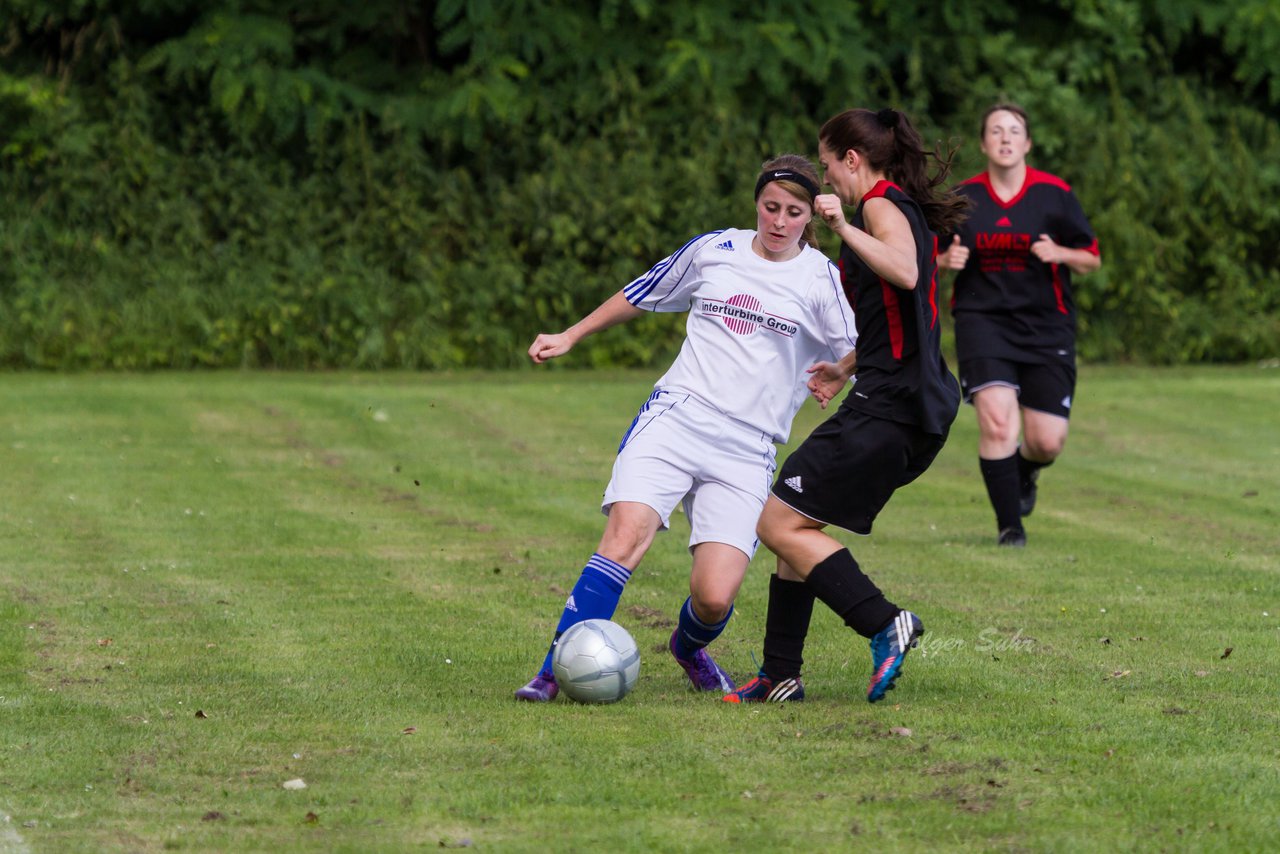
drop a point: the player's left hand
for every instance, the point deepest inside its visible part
(825, 382)
(1046, 250)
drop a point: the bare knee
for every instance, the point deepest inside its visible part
(1044, 437)
(777, 522)
(1000, 427)
(767, 536)
(1043, 450)
(711, 606)
(998, 420)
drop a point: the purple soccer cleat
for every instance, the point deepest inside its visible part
(541, 689)
(703, 671)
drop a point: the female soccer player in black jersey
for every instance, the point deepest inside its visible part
(892, 423)
(1014, 313)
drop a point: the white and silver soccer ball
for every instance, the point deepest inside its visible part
(596, 661)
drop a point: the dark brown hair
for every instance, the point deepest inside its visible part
(802, 165)
(891, 145)
(1008, 108)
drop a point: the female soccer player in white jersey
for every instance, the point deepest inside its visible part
(765, 307)
(1015, 315)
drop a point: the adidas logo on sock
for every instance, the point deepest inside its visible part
(727, 245)
(571, 605)
(794, 483)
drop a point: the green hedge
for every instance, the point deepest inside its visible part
(296, 184)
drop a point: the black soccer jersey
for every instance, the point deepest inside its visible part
(901, 375)
(1007, 303)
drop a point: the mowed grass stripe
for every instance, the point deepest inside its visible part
(336, 621)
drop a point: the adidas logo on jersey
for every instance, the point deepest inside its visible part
(794, 483)
(727, 245)
(1003, 222)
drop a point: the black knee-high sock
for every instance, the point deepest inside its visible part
(1027, 467)
(845, 589)
(786, 626)
(1001, 477)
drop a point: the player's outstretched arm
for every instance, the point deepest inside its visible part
(611, 312)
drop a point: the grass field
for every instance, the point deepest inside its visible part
(214, 584)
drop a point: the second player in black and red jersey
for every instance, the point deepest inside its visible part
(893, 422)
(1015, 314)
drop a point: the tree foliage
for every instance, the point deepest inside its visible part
(242, 182)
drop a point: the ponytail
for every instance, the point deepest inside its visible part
(891, 144)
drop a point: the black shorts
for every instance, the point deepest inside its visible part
(1046, 387)
(844, 473)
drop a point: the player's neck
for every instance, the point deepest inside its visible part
(1007, 181)
(786, 255)
(865, 182)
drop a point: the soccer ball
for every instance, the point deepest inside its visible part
(596, 661)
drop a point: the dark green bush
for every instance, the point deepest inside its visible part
(293, 184)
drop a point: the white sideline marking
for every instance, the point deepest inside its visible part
(11, 842)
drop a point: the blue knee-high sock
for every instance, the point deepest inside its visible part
(692, 634)
(594, 597)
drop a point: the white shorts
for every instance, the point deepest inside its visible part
(680, 449)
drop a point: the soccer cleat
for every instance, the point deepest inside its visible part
(1027, 493)
(703, 671)
(1012, 537)
(762, 689)
(541, 688)
(888, 650)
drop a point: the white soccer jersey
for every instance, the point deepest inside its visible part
(754, 326)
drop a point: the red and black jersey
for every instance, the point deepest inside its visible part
(901, 375)
(1007, 303)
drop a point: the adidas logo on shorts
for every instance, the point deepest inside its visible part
(794, 483)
